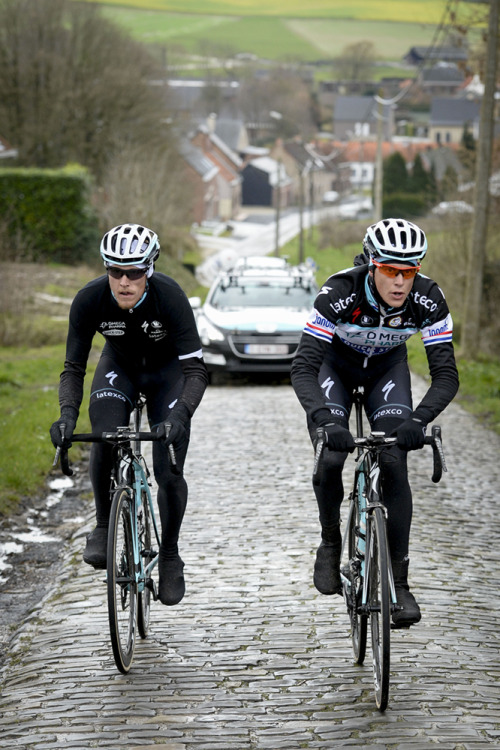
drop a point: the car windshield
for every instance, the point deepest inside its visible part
(251, 294)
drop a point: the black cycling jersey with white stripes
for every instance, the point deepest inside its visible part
(349, 324)
(159, 329)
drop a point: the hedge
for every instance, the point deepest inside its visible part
(407, 205)
(47, 213)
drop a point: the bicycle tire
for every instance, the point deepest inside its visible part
(380, 607)
(121, 584)
(145, 551)
(359, 622)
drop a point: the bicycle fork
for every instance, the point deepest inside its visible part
(358, 566)
(149, 556)
(365, 607)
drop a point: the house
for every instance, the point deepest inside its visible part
(440, 159)
(441, 79)
(188, 96)
(360, 157)
(265, 181)
(228, 164)
(419, 55)
(231, 131)
(201, 174)
(449, 117)
(313, 169)
(357, 117)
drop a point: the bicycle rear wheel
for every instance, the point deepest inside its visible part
(380, 607)
(359, 622)
(122, 587)
(146, 552)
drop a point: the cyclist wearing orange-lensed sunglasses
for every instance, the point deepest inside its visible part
(355, 336)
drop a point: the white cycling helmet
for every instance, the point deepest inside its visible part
(130, 244)
(395, 240)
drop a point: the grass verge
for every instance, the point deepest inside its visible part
(28, 406)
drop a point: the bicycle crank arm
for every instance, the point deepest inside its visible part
(151, 585)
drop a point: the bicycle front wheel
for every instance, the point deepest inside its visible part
(122, 587)
(359, 624)
(147, 555)
(380, 607)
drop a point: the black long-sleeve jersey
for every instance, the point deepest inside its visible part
(160, 328)
(349, 325)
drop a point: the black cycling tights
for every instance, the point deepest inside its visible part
(172, 488)
(396, 490)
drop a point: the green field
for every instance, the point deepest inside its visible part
(281, 30)
(272, 38)
(410, 11)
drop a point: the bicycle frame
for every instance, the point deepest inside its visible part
(366, 466)
(129, 461)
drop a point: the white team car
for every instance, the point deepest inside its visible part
(254, 314)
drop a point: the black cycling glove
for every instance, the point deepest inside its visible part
(338, 438)
(411, 434)
(177, 421)
(68, 418)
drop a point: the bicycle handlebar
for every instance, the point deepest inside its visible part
(379, 439)
(117, 437)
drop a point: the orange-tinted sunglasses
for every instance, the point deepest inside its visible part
(392, 271)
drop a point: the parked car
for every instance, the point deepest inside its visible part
(452, 207)
(254, 314)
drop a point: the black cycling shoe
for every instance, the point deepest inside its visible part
(409, 614)
(95, 553)
(171, 588)
(327, 569)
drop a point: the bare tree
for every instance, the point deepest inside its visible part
(283, 92)
(73, 87)
(356, 61)
(143, 186)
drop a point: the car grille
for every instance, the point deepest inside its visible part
(264, 346)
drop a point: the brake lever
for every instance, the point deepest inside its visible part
(320, 444)
(438, 455)
(62, 455)
(171, 450)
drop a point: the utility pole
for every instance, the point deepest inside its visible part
(477, 249)
(278, 209)
(301, 215)
(379, 162)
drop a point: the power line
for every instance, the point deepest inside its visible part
(429, 51)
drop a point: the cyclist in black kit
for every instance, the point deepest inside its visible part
(152, 347)
(356, 336)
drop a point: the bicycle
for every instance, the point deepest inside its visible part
(132, 536)
(367, 578)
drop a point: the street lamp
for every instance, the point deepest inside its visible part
(302, 175)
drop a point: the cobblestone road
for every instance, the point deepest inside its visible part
(254, 658)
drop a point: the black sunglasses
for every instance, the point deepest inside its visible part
(134, 274)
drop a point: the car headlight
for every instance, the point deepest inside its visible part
(208, 332)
